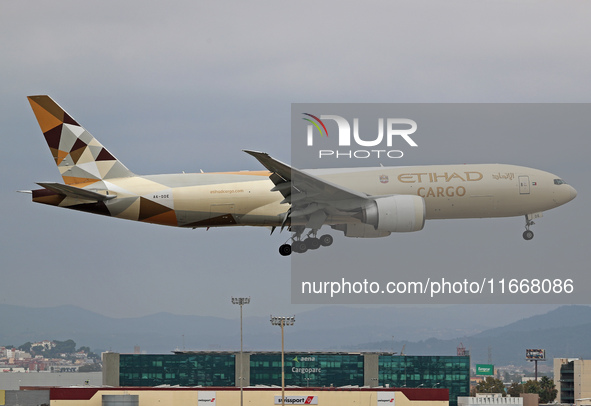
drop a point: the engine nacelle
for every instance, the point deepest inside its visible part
(396, 214)
(360, 230)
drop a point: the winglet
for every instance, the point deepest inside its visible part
(272, 164)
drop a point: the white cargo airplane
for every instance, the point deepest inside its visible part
(361, 202)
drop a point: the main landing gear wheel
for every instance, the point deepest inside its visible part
(299, 246)
(312, 243)
(285, 250)
(326, 240)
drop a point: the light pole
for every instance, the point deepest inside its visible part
(241, 301)
(282, 321)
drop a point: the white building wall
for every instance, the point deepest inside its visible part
(14, 380)
(581, 377)
(488, 400)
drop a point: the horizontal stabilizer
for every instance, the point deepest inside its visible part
(75, 192)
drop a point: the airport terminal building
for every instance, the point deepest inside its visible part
(303, 369)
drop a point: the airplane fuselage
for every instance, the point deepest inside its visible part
(361, 202)
(461, 191)
(245, 198)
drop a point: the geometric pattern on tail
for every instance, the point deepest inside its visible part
(80, 158)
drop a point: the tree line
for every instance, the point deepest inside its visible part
(545, 388)
(61, 347)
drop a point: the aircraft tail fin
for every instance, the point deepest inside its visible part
(80, 158)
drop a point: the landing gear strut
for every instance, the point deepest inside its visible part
(528, 234)
(311, 242)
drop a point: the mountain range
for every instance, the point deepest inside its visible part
(503, 331)
(561, 332)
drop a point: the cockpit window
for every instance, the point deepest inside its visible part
(559, 182)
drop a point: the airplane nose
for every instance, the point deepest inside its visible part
(573, 192)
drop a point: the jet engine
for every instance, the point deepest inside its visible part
(396, 214)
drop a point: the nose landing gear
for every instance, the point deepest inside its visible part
(528, 234)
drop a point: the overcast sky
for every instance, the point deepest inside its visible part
(183, 86)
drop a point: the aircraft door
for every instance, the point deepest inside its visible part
(524, 185)
(222, 214)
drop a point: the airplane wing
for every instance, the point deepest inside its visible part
(309, 195)
(304, 183)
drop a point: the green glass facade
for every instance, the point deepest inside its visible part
(206, 369)
(303, 369)
(567, 383)
(314, 369)
(450, 372)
